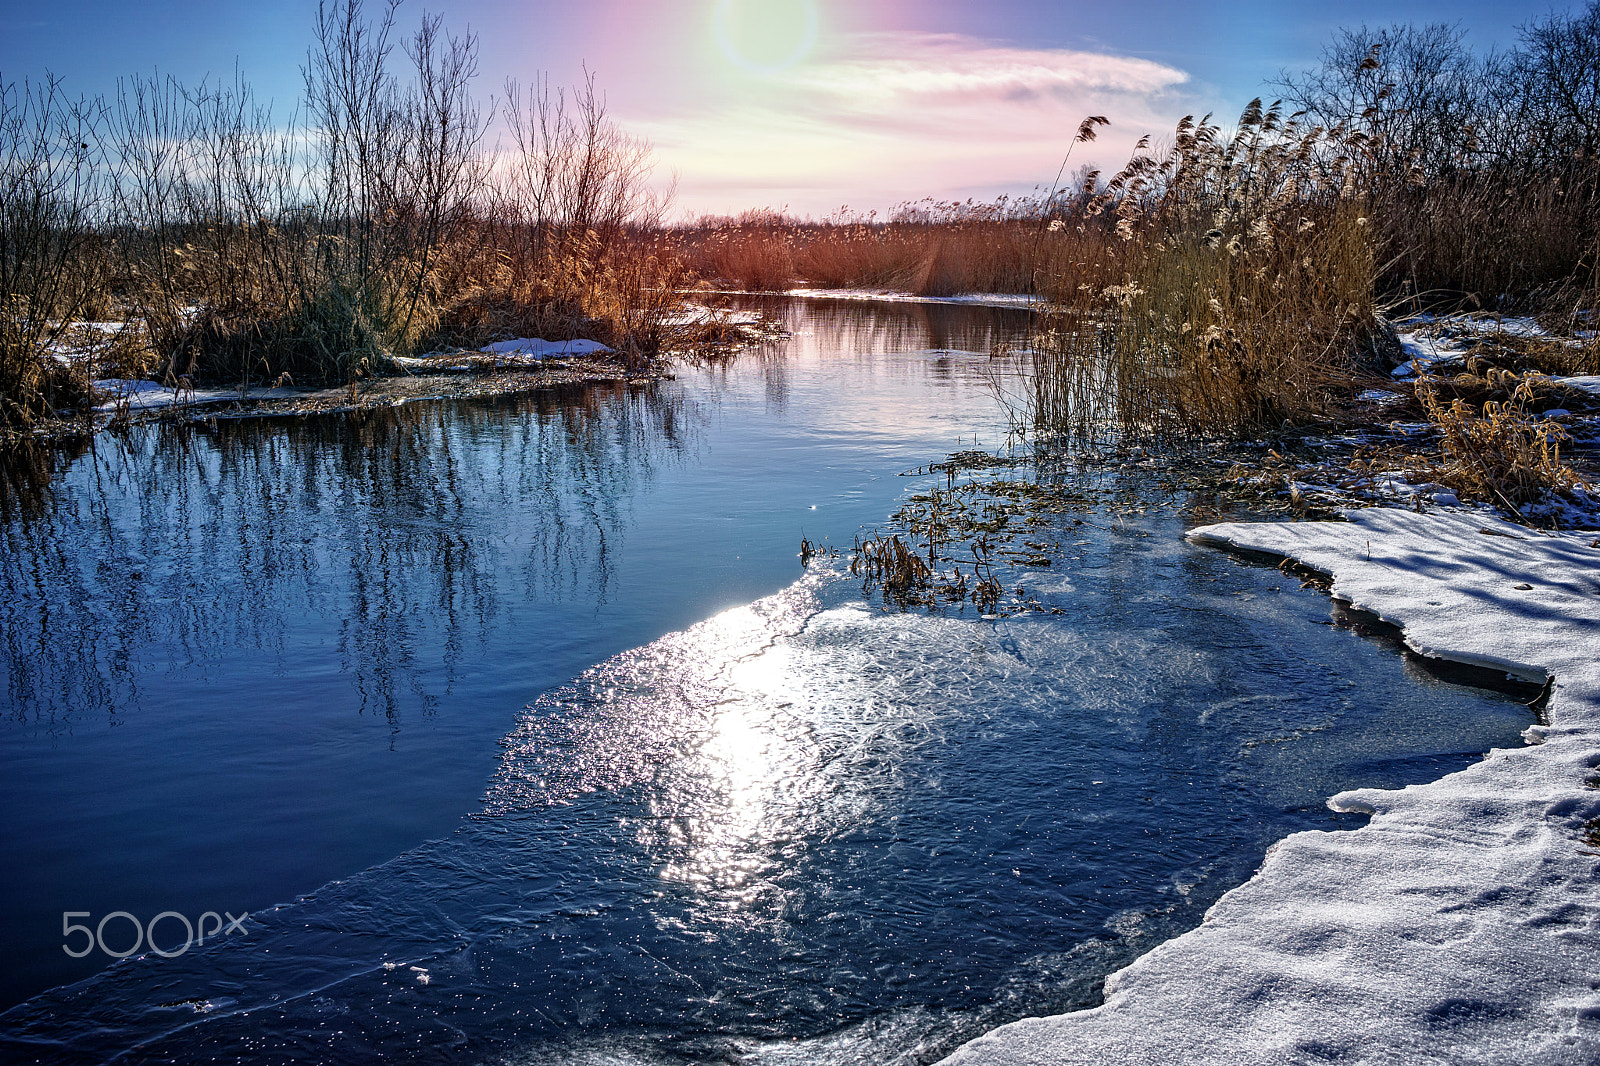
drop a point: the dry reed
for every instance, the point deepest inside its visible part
(1234, 296)
(1501, 454)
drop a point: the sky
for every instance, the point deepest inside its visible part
(806, 105)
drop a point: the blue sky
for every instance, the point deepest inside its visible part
(809, 104)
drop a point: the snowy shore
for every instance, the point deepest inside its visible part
(1462, 924)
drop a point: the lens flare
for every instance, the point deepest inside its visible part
(763, 36)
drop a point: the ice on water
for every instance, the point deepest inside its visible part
(1463, 923)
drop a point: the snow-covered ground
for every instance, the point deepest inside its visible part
(1429, 339)
(519, 351)
(1462, 924)
(536, 348)
(133, 394)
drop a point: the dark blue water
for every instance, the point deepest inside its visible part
(525, 696)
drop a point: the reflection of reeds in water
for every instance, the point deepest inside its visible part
(27, 468)
(413, 528)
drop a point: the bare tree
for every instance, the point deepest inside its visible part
(572, 174)
(51, 195)
(1560, 61)
(1418, 93)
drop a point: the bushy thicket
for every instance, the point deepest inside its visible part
(239, 247)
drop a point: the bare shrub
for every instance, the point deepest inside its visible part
(562, 244)
(50, 272)
(1484, 169)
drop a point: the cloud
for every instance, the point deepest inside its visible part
(913, 70)
(889, 117)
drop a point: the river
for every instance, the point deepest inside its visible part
(521, 734)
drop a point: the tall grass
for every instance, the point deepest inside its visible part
(927, 248)
(1233, 293)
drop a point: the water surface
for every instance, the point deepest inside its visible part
(524, 701)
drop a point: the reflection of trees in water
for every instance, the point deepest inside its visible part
(27, 468)
(842, 325)
(862, 330)
(397, 536)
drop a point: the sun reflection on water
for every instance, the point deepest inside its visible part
(733, 807)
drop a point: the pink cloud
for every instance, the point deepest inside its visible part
(887, 117)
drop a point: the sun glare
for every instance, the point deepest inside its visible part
(765, 36)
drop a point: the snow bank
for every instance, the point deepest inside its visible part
(136, 395)
(519, 351)
(1462, 924)
(535, 348)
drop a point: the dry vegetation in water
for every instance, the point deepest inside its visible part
(1499, 451)
(956, 545)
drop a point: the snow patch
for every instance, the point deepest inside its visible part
(1586, 382)
(1429, 339)
(1462, 924)
(519, 351)
(536, 348)
(135, 395)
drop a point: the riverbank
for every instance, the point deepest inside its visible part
(1460, 924)
(507, 367)
(127, 402)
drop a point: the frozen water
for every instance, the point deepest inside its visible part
(1463, 923)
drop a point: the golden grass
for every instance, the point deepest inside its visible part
(928, 249)
(1499, 453)
(1234, 296)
